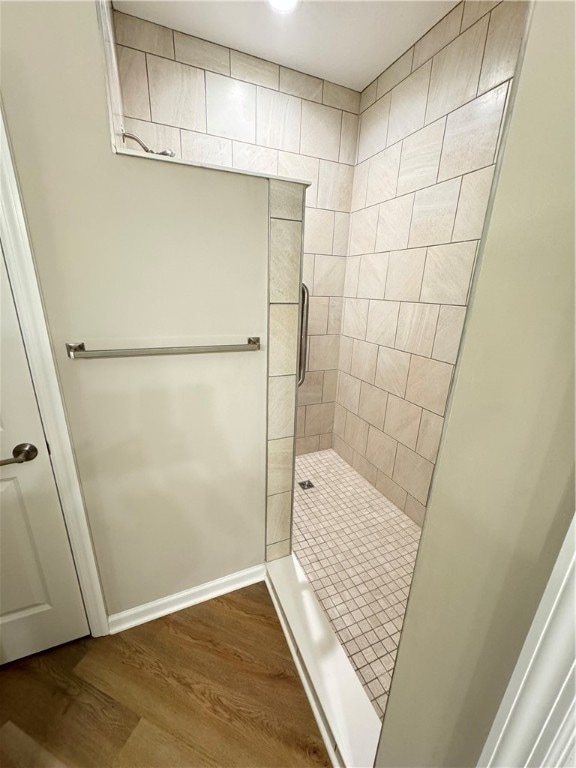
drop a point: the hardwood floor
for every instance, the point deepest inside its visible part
(213, 685)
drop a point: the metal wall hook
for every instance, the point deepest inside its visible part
(145, 147)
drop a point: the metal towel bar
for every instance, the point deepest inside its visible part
(78, 350)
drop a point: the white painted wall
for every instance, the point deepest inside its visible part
(170, 451)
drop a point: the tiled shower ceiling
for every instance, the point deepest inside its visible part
(348, 42)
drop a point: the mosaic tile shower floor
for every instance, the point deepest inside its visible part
(358, 551)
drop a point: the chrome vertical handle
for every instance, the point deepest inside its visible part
(303, 334)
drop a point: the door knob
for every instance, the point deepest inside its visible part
(21, 453)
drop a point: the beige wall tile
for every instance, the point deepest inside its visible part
(340, 97)
(281, 399)
(330, 386)
(349, 138)
(329, 275)
(447, 273)
(177, 95)
(394, 224)
(364, 357)
(278, 120)
(345, 353)
(360, 185)
(505, 32)
(434, 214)
(285, 250)
(341, 233)
(395, 73)
(439, 36)
(156, 136)
(383, 175)
(381, 450)
(325, 442)
(392, 371)
(363, 231)
(301, 168)
(321, 128)
(323, 355)
(348, 395)
(319, 419)
(278, 517)
(335, 312)
(283, 339)
(475, 9)
(421, 158)
(416, 328)
(310, 392)
(253, 70)
(206, 149)
(373, 128)
(308, 270)
(413, 473)
(133, 82)
(318, 231)
(300, 420)
(280, 461)
(339, 420)
(372, 405)
(402, 421)
(356, 433)
(472, 204)
(413, 508)
(455, 72)
(249, 157)
(382, 322)
(372, 276)
(335, 186)
(201, 53)
(364, 468)
(299, 84)
(368, 96)
(343, 450)
(352, 276)
(309, 444)
(231, 108)
(355, 318)
(405, 272)
(472, 133)
(429, 435)
(391, 490)
(143, 35)
(408, 104)
(318, 316)
(448, 333)
(278, 550)
(428, 384)
(286, 200)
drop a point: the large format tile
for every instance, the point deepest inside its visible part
(455, 72)
(278, 120)
(363, 226)
(428, 385)
(231, 108)
(383, 175)
(318, 315)
(319, 231)
(364, 356)
(382, 322)
(421, 158)
(408, 105)
(392, 371)
(505, 32)
(381, 450)
(201, 53)
(394, 224)
(355, 318)
(472, 204)
(356, 433)
(329, 275)
(373, 129)
(402, 421)
(283, 339)
(448, 333)
(321, 127)
(143, 35)
(475, 9)
(416, 328)
(335, 186)
(300, 168)
(177, 94)
(434, 214)
(472, 133)
(447, 273)
(323, 353)
(348, 395)
(405, 272)
(285, 250)
(413, 472)
(372, 405)
(341, 233)
(156, 136)
(286, 200)
(205, 149)
(319, 419)
(254, 70)
(281, 399)
(368, 95)
(372, 276)
(349, 138)
(280, 460)
(395, 73)
(438, 37)
(278, 517)
(299, 84)
(250, 157)
(340, 97)
(133, 82)
(429, 435)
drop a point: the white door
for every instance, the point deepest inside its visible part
(40, 601)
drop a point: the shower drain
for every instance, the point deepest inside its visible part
(305, 484)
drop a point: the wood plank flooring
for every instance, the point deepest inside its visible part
(213, 685)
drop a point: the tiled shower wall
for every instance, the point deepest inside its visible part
(429, 131)
(411, 182)
(221, 107)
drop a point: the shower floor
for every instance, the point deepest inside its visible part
(357, 550)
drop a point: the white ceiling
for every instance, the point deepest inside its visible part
(349, 42)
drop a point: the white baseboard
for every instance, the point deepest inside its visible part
(165, 605)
